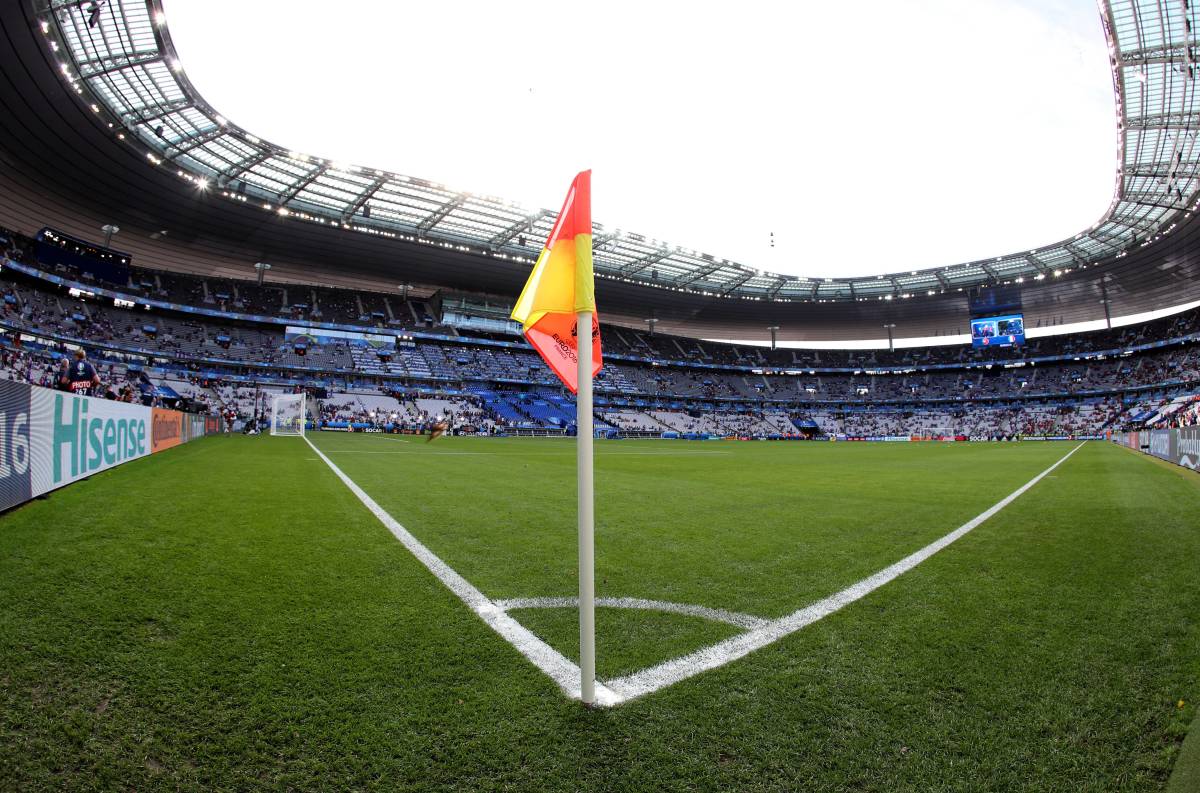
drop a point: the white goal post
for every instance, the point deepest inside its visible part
(287, 415)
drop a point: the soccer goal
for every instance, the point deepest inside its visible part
(287, 415)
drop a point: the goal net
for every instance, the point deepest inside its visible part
(287, 415)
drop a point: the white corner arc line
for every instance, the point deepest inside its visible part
(556, 666)
(737, 619)
(671, 672)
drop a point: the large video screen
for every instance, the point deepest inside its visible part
(998, 331)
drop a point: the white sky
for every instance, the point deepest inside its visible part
(870, 137)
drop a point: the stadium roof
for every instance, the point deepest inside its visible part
(118, 57)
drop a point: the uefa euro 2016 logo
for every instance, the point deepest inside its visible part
(595, 330)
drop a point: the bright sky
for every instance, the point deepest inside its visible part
(869, 137)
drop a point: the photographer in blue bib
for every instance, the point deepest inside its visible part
(82, 375)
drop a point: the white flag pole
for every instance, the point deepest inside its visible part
(587, 556)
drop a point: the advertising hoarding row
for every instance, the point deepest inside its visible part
(1180, 446)
(51, 438)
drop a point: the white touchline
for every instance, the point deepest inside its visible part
(760, 632)
(540, 654)
(670, 672)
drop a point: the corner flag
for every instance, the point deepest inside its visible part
(558, 299)
(561, 286)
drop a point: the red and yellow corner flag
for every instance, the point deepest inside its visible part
(561, 285)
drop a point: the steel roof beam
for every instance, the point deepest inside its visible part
(1181, 120)
(246, 164)
(1037, 264)
(1151, 170)
(115, 63)
(1137, 224)
(156, 116)
(1105, 236)
(738, 282)
(137, 115)
(298, 187)
(363, 197)
(185, 145)
(514, 231)
(1168, 53)
(637, 265)
(1106, 241)
(440, 214)
(603, 239)
(1155, 199)
(699, 275)
(1078, 257)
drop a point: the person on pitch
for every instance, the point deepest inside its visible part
(437, 429)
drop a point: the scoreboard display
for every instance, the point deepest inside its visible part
(1002, 331)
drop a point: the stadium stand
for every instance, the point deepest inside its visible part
(1140, 375)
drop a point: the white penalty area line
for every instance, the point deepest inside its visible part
(671, 672)
(556, 666)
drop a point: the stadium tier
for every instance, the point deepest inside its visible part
(372, 366)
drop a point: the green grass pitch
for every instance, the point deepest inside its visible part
(228, 616)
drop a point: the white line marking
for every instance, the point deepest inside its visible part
(405, 451)
(671, 672)
(531, 454)
(716, 615)
(665, 454)
(556, 666)
(614, 692)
